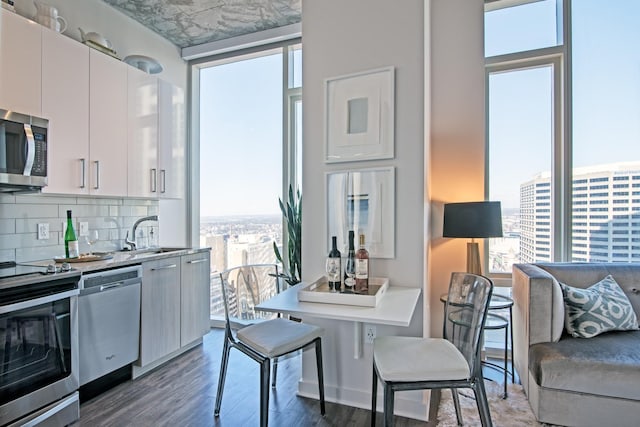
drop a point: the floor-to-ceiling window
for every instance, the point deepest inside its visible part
(524, 83)
(249, 110)
(563, 135)
(606, 130)
(563, 129)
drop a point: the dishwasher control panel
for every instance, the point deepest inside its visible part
(108, 279)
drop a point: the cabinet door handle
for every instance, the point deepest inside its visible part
(164, 267)
(154, 177)
(82, 173)
(196, 261)
(163, 175)
(97, 186)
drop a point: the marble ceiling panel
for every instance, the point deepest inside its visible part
(192, 22)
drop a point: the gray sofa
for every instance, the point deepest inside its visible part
(575, 381)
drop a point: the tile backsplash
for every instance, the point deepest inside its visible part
(112, 217)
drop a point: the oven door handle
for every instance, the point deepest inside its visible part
(37, 301)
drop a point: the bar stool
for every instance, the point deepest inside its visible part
(496, 322)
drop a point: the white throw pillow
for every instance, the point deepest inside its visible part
(600, 308)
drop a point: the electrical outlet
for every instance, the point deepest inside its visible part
(369, 334)
(84, 228)
(43, 231)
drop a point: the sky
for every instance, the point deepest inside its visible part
(606, 91)
(241, 137)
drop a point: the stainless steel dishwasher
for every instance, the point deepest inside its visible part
(108, 321)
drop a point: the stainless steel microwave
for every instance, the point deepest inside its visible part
(23, 152)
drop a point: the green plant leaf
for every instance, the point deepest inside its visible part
(292, 214)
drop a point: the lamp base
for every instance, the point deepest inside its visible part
(473, 258)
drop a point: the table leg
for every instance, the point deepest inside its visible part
(357, 340)
(510, 326)
(506, 359)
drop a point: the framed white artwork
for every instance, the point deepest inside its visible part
(359, 116)
(363, 201)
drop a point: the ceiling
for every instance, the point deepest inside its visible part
(188, 23)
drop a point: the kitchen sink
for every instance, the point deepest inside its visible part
(151, 251)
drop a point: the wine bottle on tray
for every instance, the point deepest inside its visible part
(362, 267)
(334, 266)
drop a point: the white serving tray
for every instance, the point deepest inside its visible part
(319, 291)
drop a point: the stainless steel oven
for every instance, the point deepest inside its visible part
(39, 348)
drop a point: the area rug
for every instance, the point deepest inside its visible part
(514, 411)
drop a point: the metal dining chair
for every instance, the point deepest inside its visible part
(413, 363)
(262, 339)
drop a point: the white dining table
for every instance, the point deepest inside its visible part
(395, 308)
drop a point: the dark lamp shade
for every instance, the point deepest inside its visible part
(472, 220)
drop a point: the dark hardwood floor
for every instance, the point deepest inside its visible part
(182, 393)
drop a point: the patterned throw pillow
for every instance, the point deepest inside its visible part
(600, 308)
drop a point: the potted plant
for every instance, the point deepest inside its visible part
(292, 213)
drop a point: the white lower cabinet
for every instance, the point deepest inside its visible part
(160, 309)
(174, 307)
(195, 309)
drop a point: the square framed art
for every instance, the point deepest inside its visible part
(359, 116)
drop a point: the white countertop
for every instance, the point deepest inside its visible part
(125, 258)
(395, 308)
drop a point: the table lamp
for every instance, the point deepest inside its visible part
(472, 220)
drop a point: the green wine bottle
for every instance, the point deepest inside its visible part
(70, 240)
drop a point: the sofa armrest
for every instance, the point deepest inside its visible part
(538, 313)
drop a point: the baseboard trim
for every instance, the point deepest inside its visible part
(138, 371)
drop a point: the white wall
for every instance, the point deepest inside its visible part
(341, 38)
(389, 34)
(457, 136)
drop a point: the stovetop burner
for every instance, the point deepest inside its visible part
(13, 269)
(21, 282)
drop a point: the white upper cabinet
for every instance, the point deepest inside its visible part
(172, 129)
(65, 102)
(156, 137)
(107, 125)
(20, 64)
(113, 129)
(142, 135)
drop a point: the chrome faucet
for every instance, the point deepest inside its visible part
(132, 243)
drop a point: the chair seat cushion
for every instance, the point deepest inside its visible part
(278, 336)
(402, 359)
